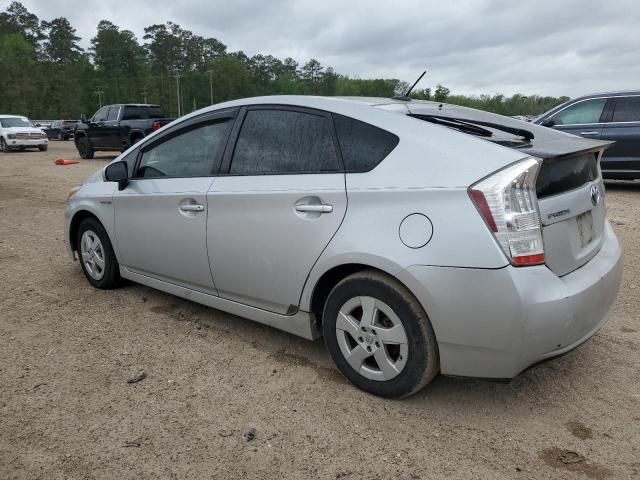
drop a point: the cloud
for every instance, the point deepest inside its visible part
(548, 47)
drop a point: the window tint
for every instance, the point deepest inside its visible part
(189, 154)
(101, 115)
(133, 113)
(363, 146)
(282, 141)
(588, 111)
(627, 110)
(113, 113)
(155, 112)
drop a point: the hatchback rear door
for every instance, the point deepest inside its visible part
(279, 200)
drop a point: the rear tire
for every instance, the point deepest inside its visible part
(96, 254)
(84, 149)
(4, 146)
(392, 352)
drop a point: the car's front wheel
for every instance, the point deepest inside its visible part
(43, 148)
(4, 146)
(97, 257)
(379, 335)
(84, 149)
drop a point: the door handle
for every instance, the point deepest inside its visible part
(192, 208)
(322, 208)
(590, 133)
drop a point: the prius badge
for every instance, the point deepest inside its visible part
(595, 195)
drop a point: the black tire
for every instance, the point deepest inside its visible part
(84, 149)
(43, 148)
(4, 146)
(111, 276)
(135, 138)
(422, 363)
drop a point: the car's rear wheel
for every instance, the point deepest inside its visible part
(97, 257)
(84, 149)
(4, 146)
(379, 335)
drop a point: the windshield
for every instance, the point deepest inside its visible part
(15, 122)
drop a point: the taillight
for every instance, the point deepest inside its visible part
(508, 204)
(155, 126)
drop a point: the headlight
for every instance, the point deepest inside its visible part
(11, 136)
(72, 192)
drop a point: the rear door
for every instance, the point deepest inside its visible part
(161, 217)
(584, 118)
(280, 201)
(622, 126)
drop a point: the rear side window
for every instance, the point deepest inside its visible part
(363, 146)
(189, 153)
(284, 142)
(133, 113)
(627, 110)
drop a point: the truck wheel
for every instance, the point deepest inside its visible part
(3, 146)
(84, 149)
(379, 335)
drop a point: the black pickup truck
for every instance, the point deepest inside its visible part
(117, 127)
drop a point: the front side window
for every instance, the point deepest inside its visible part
(588, 111)
(101, 115)
(189, 153)
(627, 109)
(283, 142)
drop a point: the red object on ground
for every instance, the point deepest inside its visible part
(62, 161)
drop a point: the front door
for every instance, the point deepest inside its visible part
(161, 216)
(281, 201)
(583, 118)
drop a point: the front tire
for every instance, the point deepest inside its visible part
(43, 148)
(84, 149)
(97, 257)
(379, 336)
(4, 146)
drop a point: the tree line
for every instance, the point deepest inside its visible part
(45, 73)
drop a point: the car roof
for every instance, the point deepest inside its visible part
(131, 105)
(14, 116)
(617, 93)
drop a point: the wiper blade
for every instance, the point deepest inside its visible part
(520, 132)
(456, 123)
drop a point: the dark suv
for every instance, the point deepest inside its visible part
(61, 129)
(604, 116)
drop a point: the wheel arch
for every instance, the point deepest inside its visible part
(74, 225)
(137, 135)
(319, 292)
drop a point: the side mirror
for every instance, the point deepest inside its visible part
(548, 122)
(117, 172)
(83, 118)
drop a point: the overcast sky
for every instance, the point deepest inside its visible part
(549, 47)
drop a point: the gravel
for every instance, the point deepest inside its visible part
(214, 380)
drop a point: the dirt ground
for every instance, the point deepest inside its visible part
(67, 351)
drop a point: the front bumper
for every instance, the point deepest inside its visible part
(496, 323)
(23, 142)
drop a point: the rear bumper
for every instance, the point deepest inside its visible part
(496, 323)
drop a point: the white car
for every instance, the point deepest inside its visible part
(19, 133)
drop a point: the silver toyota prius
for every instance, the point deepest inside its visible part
(418, 238)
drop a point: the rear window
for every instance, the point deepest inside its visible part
(142, 113)
(627, 110)
(363, 146)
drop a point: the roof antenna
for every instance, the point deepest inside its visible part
(405, 96)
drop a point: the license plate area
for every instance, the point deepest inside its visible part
(585, 228)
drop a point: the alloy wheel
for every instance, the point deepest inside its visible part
(372, 338)
(92, 253)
